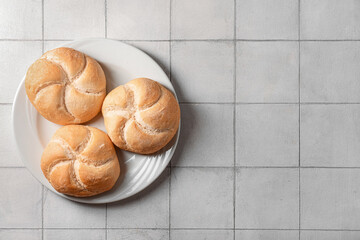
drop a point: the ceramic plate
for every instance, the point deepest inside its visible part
(121, 63)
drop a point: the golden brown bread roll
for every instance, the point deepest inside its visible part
(141, 116)
(80, 161)
(66, 86)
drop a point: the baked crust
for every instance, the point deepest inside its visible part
(141, 116)
(66, 86)
(80, 161)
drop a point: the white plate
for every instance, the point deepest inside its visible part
(121, 63)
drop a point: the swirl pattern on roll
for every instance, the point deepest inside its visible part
(66, 86)
(80, 161)
(141, 116)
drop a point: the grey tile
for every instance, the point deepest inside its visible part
(267, 72)
(206, 136)
(63, 213)
(330, 19)
(201, 198)
(159, 51)
(138, 234)
(20, 199)
(69, 19)
(330, 198)
(48, 45)
(13, 67)
(203, 71)
(329, 71)
(330, 135)
(267, 135)
(202, 234)
(8, 152)
(20, 19)
(149, 209)
(266, 234)
(20, 234)
(138, 19)
(267, 19)
(330, 235)
(74, 234)
(267, 198)
(202, 19)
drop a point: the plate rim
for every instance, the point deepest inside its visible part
(86, 200)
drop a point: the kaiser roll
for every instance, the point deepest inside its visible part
(80, 161)
(141, 116)
(66, 86)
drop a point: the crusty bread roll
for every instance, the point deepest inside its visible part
(80, 161)
(66, 86)
(141, 116)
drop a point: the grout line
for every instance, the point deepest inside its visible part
(299, 100)
(42, 211)
(197, 40)
(328, 103)
(6, 104)
(259, 103)
(241, 229)
(234, 126)
(229, 229)
(267, 40)
(106, 222)
(105, 8)
(42, 27)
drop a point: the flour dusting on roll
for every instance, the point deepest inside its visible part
(141, 116)
(66, 86)
(80, 161)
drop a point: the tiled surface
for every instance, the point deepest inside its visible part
(202, 19)
(15, 58)
(202, 234)
(201, 198)
(20, 201)
(330, 135)
(330, 235)
(75, 234)
(330, 19)
(267, 19)
(203, 71)
(74, 19)
(138, 19)
(329, 71)
(267, 72)
(330, 198)
(267, 198)
(137, 234)
(270, 86)
(267, 135)
(62, 213)
(266, 234)
(20, 19)
(21, 234)
(8, 154)
(206, 136)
